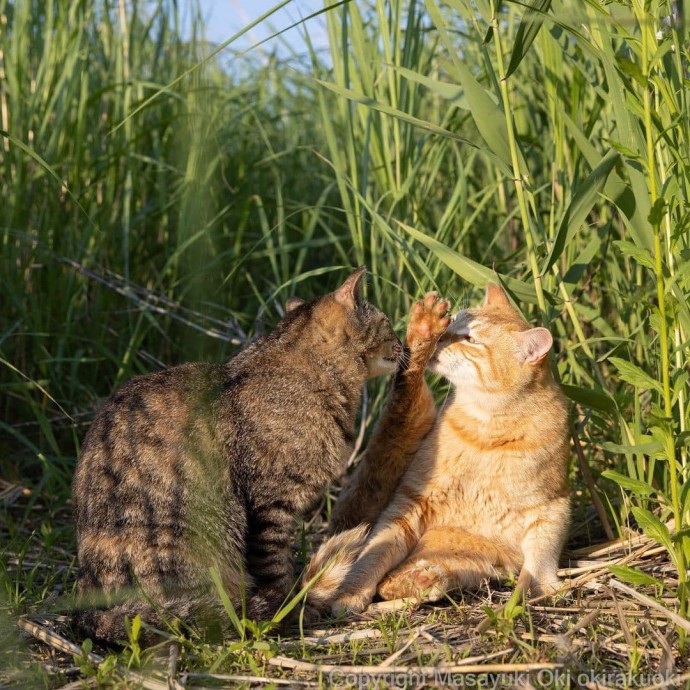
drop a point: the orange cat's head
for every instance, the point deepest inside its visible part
(491, 349)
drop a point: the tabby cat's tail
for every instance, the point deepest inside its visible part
(107, 625)
(331, 564)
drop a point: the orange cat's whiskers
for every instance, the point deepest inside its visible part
(464, 301)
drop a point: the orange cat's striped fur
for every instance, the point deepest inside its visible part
(486, 492)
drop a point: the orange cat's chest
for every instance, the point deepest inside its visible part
(486, 438)
(479, 453)
(479, 489)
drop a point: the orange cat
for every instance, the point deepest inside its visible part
(486, 492)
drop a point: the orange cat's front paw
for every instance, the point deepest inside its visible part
(428, 321)
(352, 603)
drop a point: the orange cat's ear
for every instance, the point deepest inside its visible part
(496, 296)
(293, 303)
(348, 293)
(534, 344)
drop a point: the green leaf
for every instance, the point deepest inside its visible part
(487, 115)
(580, 206)
(631, 69)
(637, 487)
(469, 270)
(631, 373)
(679, 384)
(485, 8)
(680, 535)
(654, 528)
(389, 110)
(590, 398)
(227, 604)
(657, 212)
(452, 93)
(136, 627)
(639, 254)
(625, 195)
(582, 262)
(634, 576)
(635, 202)
(653, 448)
(527, 32)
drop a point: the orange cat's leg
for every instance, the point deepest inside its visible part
(445, 559)
(406, 419)
(395, 535)
(541, 547)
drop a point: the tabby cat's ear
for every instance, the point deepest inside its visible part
(293, 303)
(496, 296)
(534, 344)
(348, 293)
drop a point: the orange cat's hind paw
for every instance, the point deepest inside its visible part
(428, 321)
(423, 581)
(549, 587)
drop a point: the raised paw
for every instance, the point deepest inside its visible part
(427, 582)
(428, 321)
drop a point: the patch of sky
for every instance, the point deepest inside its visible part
(272, 36)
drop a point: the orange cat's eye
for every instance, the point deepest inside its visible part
(471, 340)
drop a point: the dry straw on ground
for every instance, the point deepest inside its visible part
(601, 633)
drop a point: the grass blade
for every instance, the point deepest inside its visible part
(580, 207)
(529, 27)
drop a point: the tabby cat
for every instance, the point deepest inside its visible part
(209, 465)
(486, 491)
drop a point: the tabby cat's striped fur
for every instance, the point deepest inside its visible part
(209, 465)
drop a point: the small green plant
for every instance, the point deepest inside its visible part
(391, 625)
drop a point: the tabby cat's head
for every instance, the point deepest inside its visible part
(491, 349)
(346, 322)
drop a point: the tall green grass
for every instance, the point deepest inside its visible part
(134, 242)
(547, 142)
(444, 144)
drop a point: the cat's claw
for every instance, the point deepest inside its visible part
(429, 320)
